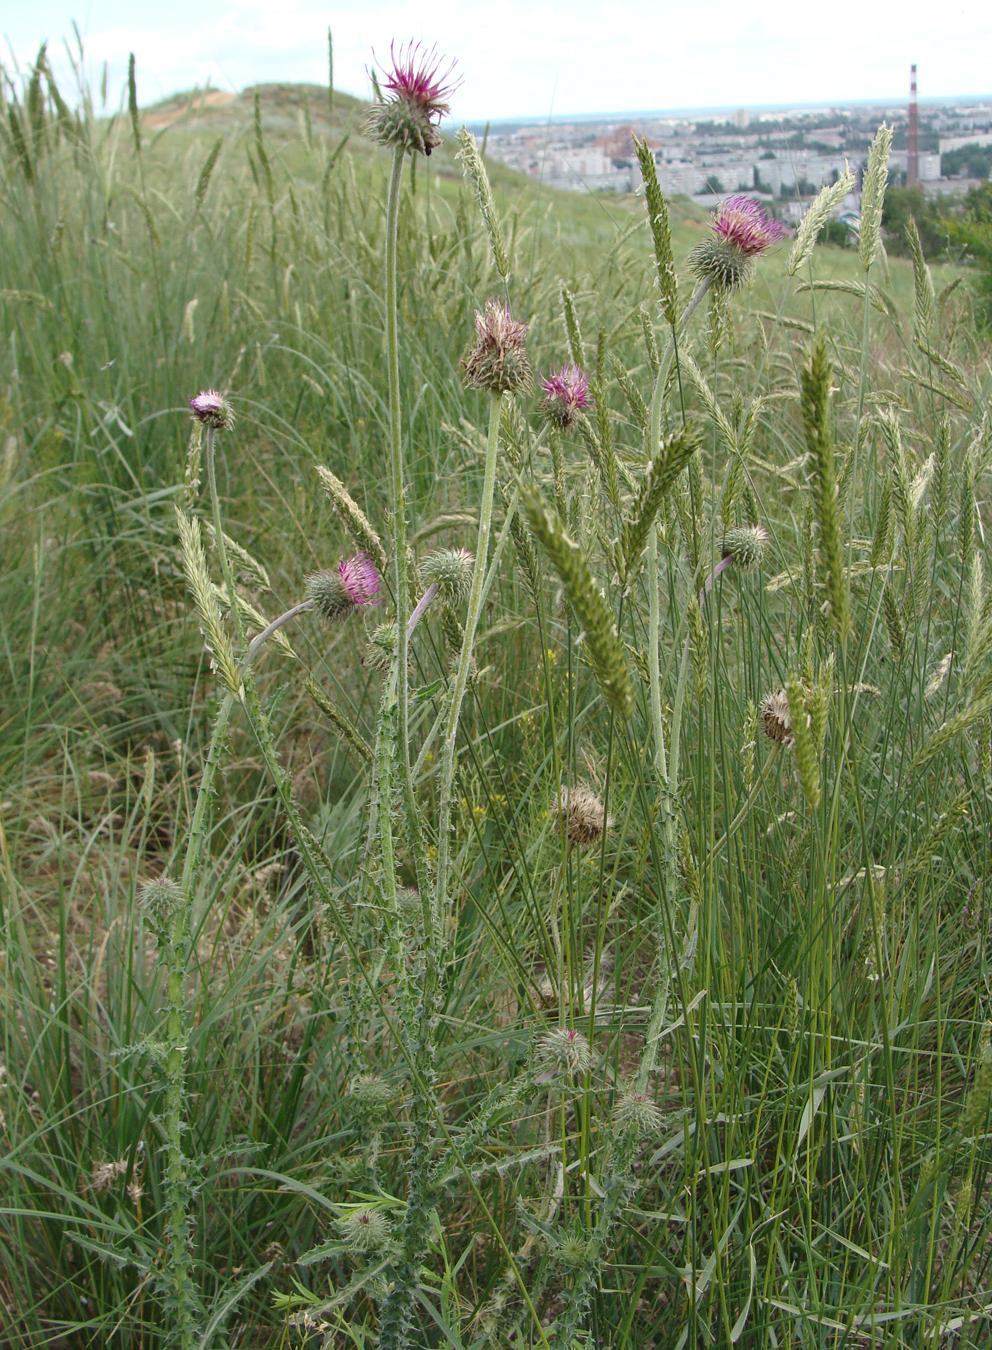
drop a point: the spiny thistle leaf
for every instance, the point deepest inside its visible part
(605, 652)
(348, 733)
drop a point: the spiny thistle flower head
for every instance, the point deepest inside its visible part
(742, 231)
(776, 720)
(372, 1092)
(353, 584)
(497, 360)
(211, 409)
(574, 1251)
(380, 650)
(746, 545)
(419, 85)
(583, 813)
(104, 1174)
(636, 1111)
(450, 570)
(564, 1050)
(160, 899)
(364, 1230)
(566, 394)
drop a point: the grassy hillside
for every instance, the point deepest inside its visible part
(720, 1074)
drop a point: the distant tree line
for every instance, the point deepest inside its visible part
(954, 228)
(969, 161)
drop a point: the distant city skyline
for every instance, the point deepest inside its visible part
(530, 59)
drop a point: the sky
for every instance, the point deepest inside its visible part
(531, 58)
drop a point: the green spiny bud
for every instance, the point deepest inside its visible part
(450, 570)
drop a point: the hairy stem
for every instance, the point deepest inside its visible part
(464, 667)
(401, 580)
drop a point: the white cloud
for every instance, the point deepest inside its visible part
(533, 57)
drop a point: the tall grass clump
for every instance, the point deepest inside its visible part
(494, 840)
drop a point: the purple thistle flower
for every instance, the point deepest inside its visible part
(743, 230)
(212, 410)
(353, 584)
(417, 77)
(566, 394)
(745, 223)
(419, 85)
(360, 579)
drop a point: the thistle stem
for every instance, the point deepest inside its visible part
(273, 627)
(401, 583)
(423, 603)
(227, 571)
(465, 664)
(177, 1187)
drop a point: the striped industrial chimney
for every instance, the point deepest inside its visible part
(913, 134)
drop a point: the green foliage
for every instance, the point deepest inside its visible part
(766, 977)
(971, 161)
(931, 214)
(971, 232)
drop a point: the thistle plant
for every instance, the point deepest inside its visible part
(690, 909)
(419, 84)
(167, 907)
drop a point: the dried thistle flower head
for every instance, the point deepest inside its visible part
(585, 819)
(353, 584)
(364, 1230)
(497, 360)
(566, 394)
(636, 1111)
(564, 1050)
(776, 720)
(450, 570)
(104, 1175)
(742, 231)
(418, 84)
(746, 545)
(212, 409)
